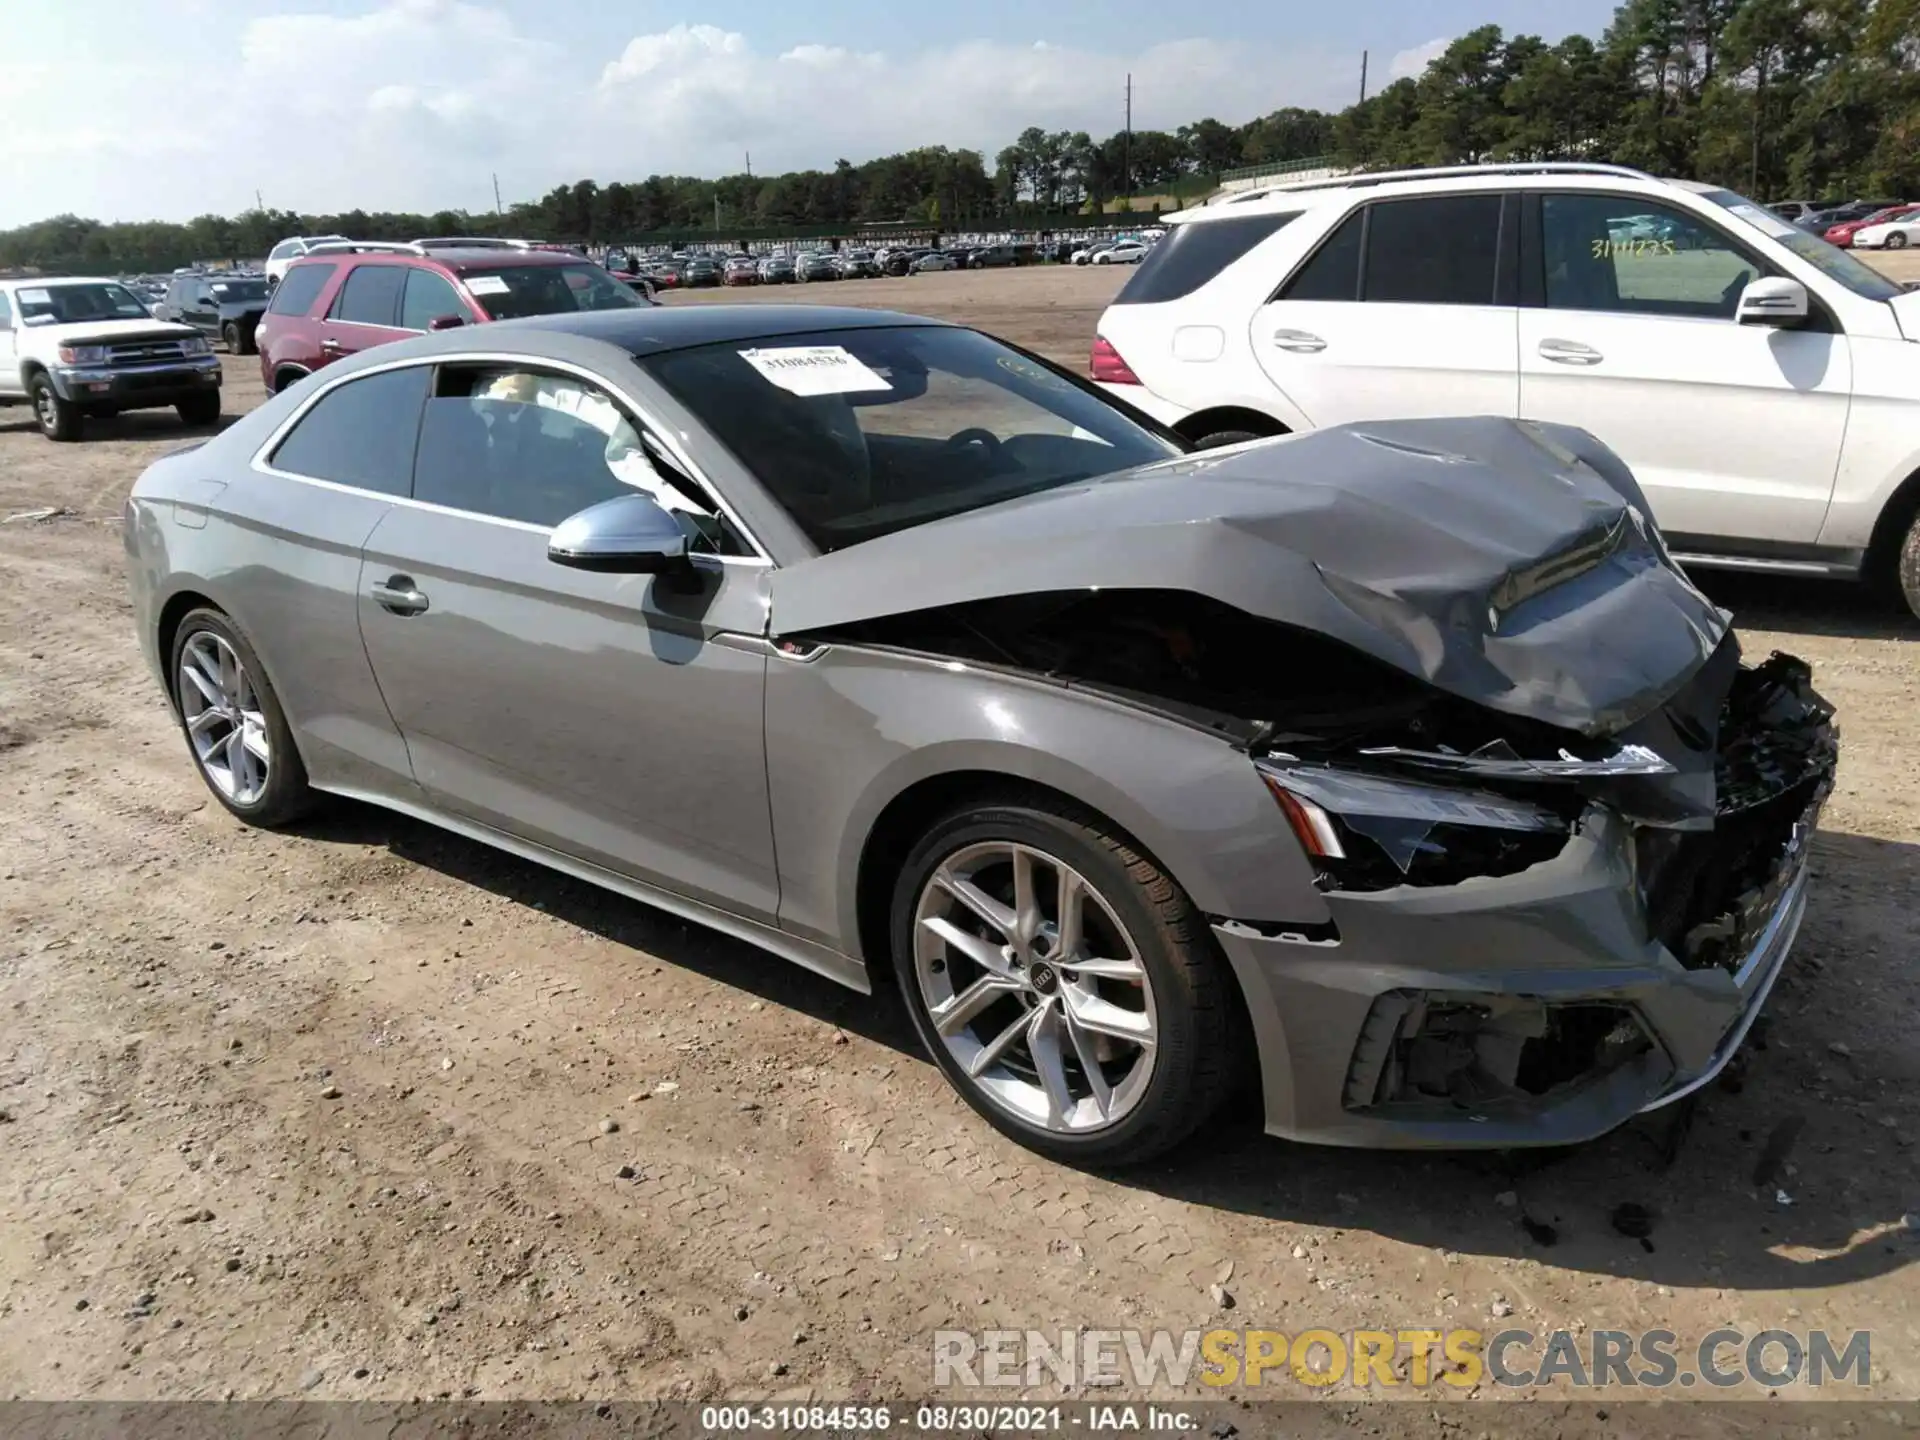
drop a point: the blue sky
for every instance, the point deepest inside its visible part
(416, 104)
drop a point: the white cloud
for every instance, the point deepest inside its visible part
(1412, 64)
(416, 104)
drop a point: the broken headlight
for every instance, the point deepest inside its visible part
(1368, 832)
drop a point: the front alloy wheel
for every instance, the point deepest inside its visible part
(1062, 982)
(1035, 987)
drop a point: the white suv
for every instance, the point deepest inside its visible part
(1763, 384)
(291, 249)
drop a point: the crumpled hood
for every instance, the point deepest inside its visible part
(1506, 562)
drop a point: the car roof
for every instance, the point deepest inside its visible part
(1285, 196)
(456, 260)
(599, 336)
(47, 282)
(655, 330)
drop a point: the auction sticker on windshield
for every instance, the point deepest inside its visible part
(814, 370)
(486, 285)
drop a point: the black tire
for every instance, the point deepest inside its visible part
(59, 419)
(1907, 567)
(1198, 1045)
(1226, 437)
(230, 337)
(286, 796)
(283, 378)
(201, 409)
(1897, 240)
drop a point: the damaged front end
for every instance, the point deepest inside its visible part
(1558, 831)
(1535, 933)
(1715, 899)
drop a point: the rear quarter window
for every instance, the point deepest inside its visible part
(361, 433)
(296, 293)
(1192, 254)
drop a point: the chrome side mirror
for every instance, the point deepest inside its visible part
(1774, 301)
(627, 535)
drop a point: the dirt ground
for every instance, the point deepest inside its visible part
(369, 1111)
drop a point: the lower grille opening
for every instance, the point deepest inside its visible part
(1420, 1049)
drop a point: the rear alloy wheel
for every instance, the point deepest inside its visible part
(1063, 983)
(230, 336)
(1897, 240)
(236, 732)
(59, 419)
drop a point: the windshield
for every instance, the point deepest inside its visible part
(859, 433)
(240, 289)
(66, 304)
(1830, 260)
(513, 292)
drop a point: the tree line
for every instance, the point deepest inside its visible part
(1778, 98)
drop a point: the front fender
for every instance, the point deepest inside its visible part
(853, 729)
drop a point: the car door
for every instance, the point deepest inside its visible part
(9, 350)
(1734, 431)
(294, 533)
(365, 311)
(1406, 308)
(205, 313)
(608, 717)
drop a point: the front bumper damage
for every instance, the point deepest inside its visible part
(1551, 1004)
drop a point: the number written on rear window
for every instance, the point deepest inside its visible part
(361, 433)
(301, 288)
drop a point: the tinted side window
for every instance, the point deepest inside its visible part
(301, 288)
(1193, 254)
(361, 433)
(282, 250)
(1437, 250)
(371, 295)
(1334, 271)
(428, 296)
(6, 312)
(1612, 252)
(536, 447)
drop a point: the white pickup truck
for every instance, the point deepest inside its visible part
(74, 348)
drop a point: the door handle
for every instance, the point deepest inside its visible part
(331, 345)
(398, 595)
(1569, 352)
(1301, 342)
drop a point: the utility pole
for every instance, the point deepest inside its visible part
(1126, 149)
(496, 193)
(1363, 77)
(258, 203)
(716, 210)
(749, 164)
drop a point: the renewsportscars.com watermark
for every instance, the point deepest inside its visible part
(1414, 1358)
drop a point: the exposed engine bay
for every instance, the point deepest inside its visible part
(1717, 779)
